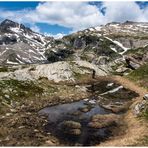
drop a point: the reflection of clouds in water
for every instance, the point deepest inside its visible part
(62, 111)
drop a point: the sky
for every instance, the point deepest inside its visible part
(61, 18)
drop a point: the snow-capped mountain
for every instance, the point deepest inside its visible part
(103, 45)
(20, 45)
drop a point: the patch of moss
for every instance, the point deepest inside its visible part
(137, 51)
(18, 89)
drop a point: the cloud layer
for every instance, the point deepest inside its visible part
(78, 15)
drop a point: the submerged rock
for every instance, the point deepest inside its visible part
(117, 108)
(70, 127)
(101, 121)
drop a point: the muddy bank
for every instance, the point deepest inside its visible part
(22, 122)
(102, 102)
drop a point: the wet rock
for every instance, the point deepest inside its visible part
(74, 132)
(76, 113)
(70, 127)
(92, 101)
(84, 109)
(101, 121)
(71, 124)
(116, 108)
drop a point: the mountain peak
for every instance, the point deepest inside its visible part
(8, 22)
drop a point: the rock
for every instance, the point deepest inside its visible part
(7, 96)
(92, 101)
(109, 85)
(71, 124)
(70, 127)
(122, 69)
(101, 121)
(20, 127)
(8, 114)
(13, 110)
(132, 62)
(139, 107)
(86, 99)
(74, 132)
(84, 109)
(116, 108)
(50, 143)
(76, 113)
(145, 97)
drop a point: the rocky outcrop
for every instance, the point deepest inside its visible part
(20, 45)
(58, 71)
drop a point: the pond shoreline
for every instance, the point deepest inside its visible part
(23, 122)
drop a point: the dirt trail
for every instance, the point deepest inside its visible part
(136, 128)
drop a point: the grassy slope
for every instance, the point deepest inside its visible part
(140, 76)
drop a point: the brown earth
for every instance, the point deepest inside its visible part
(135, 128)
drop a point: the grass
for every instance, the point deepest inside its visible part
(137, 51)
(140, 76)
(18, 89)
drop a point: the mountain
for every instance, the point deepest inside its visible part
(107, 46)
(111, 47)
(20, 45)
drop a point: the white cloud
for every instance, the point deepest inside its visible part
(78, 15)
(35, 28)
(122, 11)
(56, 36)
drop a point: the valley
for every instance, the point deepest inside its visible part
(48, 96)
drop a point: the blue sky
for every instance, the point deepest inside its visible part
(60, 18)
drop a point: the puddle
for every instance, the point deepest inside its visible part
(75, 112)
(80, 113)
(112, 91)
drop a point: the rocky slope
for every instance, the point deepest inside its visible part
(20, 45)
(114, 48)
(105, 46)
(58, 71)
